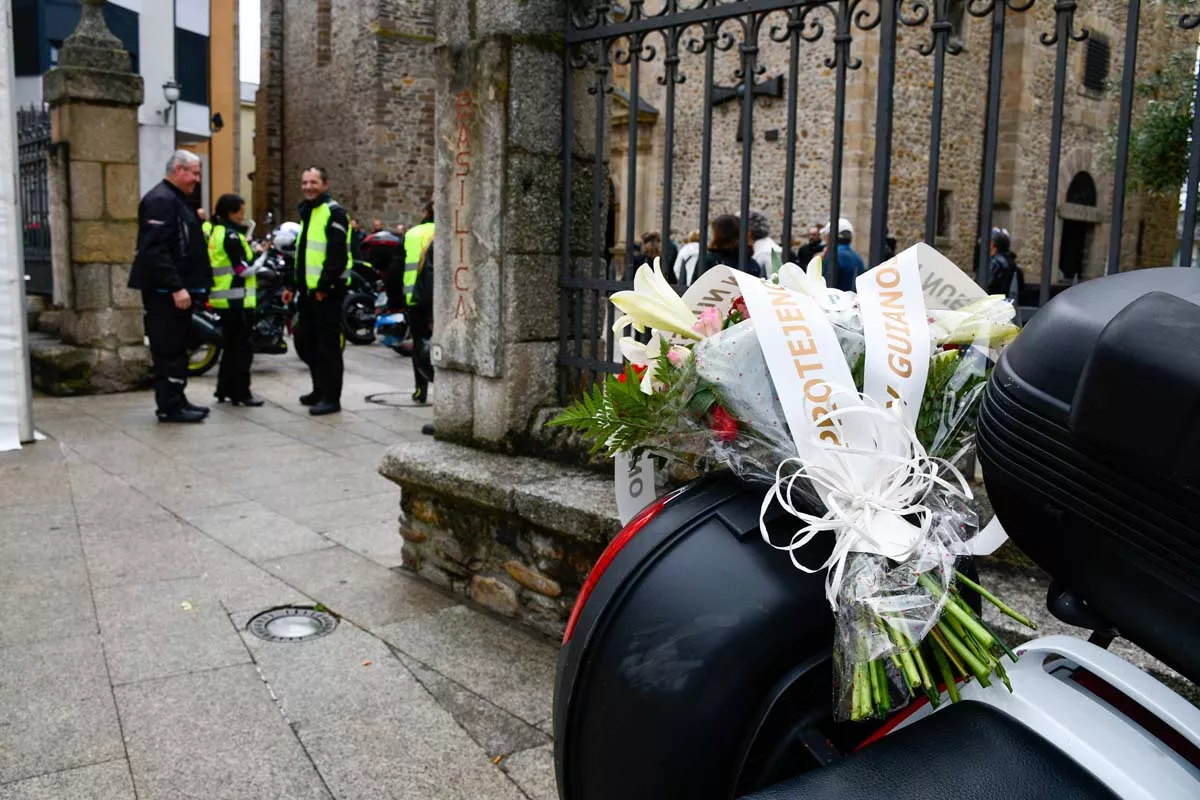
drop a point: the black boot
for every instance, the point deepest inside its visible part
(322, 408)
(182, 414)
(310, 399)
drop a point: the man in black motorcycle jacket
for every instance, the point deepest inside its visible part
(171, 270)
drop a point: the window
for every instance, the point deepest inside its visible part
(944, 214)
(324, 32)
(1096, 62)
(957, 14)
(191, 66)
(1082, 190)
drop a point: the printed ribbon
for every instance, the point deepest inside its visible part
(859, 452)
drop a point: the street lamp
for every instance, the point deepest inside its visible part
(171, 94)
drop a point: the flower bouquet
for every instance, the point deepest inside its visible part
(855, 409)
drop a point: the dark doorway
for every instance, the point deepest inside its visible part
(1074, 249)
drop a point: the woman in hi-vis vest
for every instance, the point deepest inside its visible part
(234, 296)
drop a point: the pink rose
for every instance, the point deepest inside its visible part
(710, 323)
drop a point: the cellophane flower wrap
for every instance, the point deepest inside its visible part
(856, 411)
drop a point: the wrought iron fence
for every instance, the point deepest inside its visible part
(33, 141)
(635, 119)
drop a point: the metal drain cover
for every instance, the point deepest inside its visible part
(292, 624)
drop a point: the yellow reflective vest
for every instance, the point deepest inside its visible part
(226, 285)
(414, 244)
(316, 246)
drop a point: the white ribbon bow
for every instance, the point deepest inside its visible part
(865, 508)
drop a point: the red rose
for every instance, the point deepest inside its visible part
(739, 306)
(723, 425)
(638, 369)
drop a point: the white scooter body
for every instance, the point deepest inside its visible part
(1131, 761)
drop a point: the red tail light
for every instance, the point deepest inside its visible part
(619, 541)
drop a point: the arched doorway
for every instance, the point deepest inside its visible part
(1074, 248)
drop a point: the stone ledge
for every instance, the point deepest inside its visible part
(63, 370)
(543, 493)
(517, 535)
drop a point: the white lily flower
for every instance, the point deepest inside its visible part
(809, 282)
(989, 320)
(654, 304)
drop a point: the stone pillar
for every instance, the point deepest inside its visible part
(93, 98)
(498, 206)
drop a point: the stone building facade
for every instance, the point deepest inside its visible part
(1025, 120)
(347, 85)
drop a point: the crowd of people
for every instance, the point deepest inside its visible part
(753, 251)
(756, 253)
(187, 259)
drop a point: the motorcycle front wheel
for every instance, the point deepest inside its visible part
(203, 358)
(358, 318)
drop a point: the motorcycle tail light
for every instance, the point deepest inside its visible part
(606, 558)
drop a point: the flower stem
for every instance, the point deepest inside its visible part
(950, 652)
(968, 657)
(947, 675)
(991, 598)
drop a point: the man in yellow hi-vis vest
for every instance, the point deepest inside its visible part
(415, 241)
(322, 273)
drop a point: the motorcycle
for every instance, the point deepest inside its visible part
(358, 309)
(367, 299)
(697, 660)
(270, 320)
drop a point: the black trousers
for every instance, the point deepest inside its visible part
(318, 340)
(167, 327)
(420, 324)
(233, 378)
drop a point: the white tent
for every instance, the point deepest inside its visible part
(16, 413)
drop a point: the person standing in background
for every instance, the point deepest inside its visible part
(420, 324)
(764, 247)
(685, 262)
(322, 264)
(356, 238)
(849, 263)
(727, 247)
(415, 242)
(171, 270)
(810, 249)
(234, 296)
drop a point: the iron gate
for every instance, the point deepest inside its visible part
(650, 86)
(33, 140)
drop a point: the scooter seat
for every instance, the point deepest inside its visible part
(969, 751)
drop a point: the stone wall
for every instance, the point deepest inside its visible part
(363, 110)
(517, 535)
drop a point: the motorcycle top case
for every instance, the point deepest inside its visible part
(1089, 436)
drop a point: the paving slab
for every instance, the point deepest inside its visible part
(154, 630)
(533, 771)
(369, 595)
(331, 486)
(107, 781)
(419, 755)
(492, 728)
(509, 666)
(325, 436)
(103, 499)
(38, 532)
(58, 708)
(215, 734)
(254, 531)
(379, 541)
(185, 491)
(346, 673)
(132, 554)
(238, 584)
(322, 517)
(42, 481)
(44, 600)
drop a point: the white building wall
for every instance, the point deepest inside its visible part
(156, 60)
